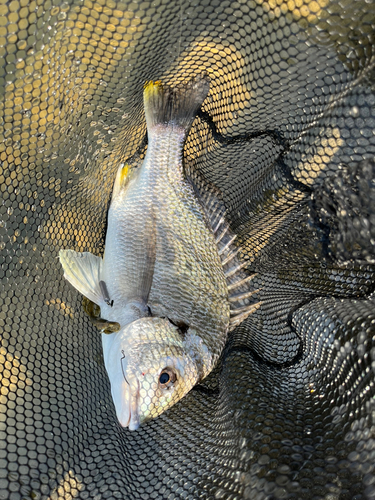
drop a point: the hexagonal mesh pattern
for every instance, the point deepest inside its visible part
(287, 135)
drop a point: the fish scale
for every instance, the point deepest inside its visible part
(169, 259)
(187, 266)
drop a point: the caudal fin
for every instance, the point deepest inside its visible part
(177, 106)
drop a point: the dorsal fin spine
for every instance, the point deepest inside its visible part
(238, 319)
(234, 270)
(241, 282)
(215, 229)
(228, 244)
(230, 256)
(243, 296)
(237, 279)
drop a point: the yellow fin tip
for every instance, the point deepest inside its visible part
(152, 88)
(124, 172)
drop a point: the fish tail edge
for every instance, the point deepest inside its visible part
(174, 106)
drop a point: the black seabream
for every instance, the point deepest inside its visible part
(170, 275)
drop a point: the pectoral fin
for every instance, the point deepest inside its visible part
(82, 270)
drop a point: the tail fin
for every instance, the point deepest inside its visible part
(178, 106)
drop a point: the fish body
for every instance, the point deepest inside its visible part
(163, 276)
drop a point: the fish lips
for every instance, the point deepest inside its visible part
(126, 399)
(124, 386)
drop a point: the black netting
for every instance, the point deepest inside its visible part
(344, 211)
(287, 136)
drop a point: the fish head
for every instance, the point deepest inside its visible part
(158, 368)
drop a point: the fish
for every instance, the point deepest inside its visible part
(170, 283)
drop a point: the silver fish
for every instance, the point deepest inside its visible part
(170, 275)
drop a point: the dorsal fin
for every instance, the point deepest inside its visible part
(240, 292)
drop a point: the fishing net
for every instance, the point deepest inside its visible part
(287, 136)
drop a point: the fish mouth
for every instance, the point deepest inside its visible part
(127, 410)
(125, 395)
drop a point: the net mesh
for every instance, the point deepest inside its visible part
(287, 135)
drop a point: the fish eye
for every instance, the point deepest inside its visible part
(166, 378)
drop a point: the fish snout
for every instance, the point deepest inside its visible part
(127, 408)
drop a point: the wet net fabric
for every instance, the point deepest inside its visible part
(287, 136)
